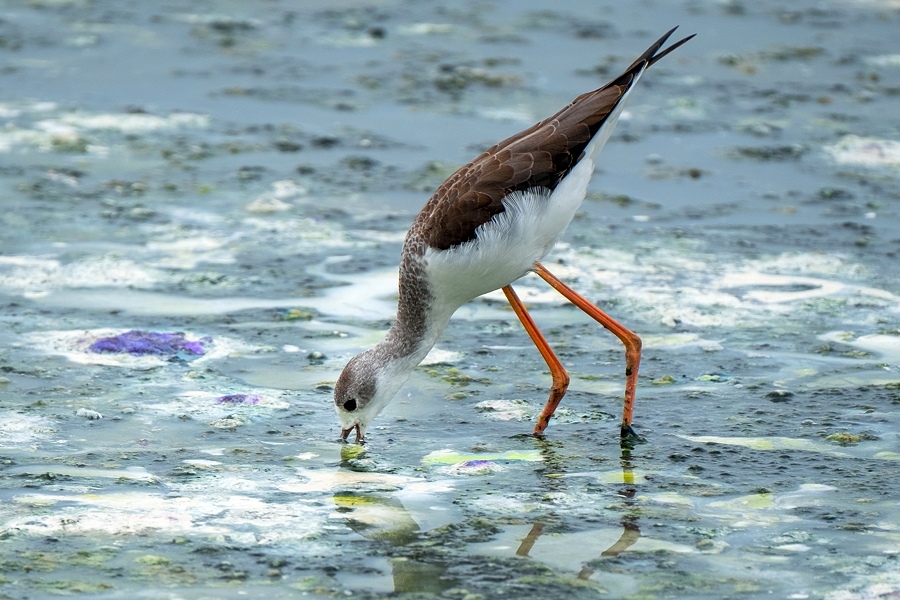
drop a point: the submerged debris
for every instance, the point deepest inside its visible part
(87, 413)
(765, 153)
(845, 438)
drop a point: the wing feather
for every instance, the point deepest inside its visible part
(540, 156)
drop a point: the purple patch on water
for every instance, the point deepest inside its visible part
(238, 399)
(143, 343)
(478, 464)
(475, 467)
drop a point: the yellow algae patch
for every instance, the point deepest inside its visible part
(767, 508)
(888, 455)
(351, 451)
(354, 501)
(449, 457)
(752, 502)
(619, 476)
(844, 438)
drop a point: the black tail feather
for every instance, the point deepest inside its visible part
(669, 49)
(650, 56)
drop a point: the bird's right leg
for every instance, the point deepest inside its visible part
(628, 338)
(557, 371)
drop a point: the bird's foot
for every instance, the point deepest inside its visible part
(630, 437)
(345, 433)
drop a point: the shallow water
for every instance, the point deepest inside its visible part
(245, 173)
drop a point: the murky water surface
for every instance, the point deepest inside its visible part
(203, 206)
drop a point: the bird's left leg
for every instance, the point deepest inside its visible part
(628, 338)
(557, 371)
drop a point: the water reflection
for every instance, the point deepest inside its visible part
(384, 518)
(631, 533)
(381, 516)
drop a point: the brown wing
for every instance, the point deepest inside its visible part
(540, 156)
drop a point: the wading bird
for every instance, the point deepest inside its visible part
(488, 225)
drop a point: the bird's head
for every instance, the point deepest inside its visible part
(365, 387)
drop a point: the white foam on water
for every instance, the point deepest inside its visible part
(680, 285)
(74, 344)
(755, 511)
(425, 28)
(17, 429)
(518, 114)
(34, 274)
(328, 481)
(870, 587)
(301, 234)
(680, 341)
(387, 237)
(149, 303)
(204, 404)
(217, 512)
(274, 200)
(865, 151)
(135, 473)
(886, 346)
(506, 410)
(369, 295)
(64, 131)
(436, 356)
(884, 60)
(188, 253)
(128, 122)
(769, 443)
(8, 112)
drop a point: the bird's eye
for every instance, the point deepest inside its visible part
(350, 405)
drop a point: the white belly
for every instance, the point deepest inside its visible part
(506, 247)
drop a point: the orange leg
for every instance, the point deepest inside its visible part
(557, 371)
(528, 543)
(630, 535)
(631, 341)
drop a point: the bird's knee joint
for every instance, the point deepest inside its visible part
(635, 342)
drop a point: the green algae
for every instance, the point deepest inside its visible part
(455, 377)
(152, 560)
(69, 587)
(449, 457)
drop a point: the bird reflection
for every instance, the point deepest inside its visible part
(631, 533)
(382, 517)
